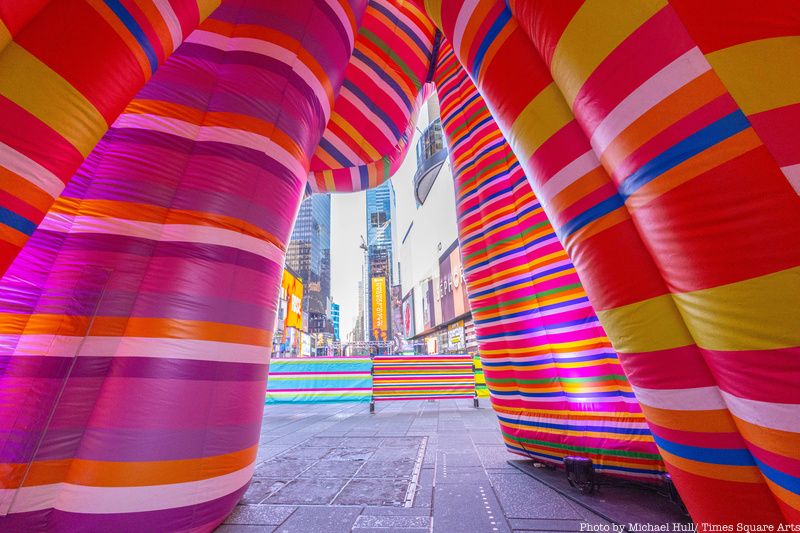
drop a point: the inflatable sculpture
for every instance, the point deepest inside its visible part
(627, 177)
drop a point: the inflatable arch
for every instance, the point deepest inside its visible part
(626, 176)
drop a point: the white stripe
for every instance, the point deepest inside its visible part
(366, 109)
(98, 500)
(113, 346)
(566, 176)
(172, 22)
(696, 399)
(337, 8)
(221, 134)
(30, 170)
(163, 233)
(467, 8)
(267, 49)
(792, 173)
(780, 416)
(665, 82)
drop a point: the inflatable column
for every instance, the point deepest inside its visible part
(623, 280)
(67, 70)
(555, 382)
(707, 191)
(137, 323)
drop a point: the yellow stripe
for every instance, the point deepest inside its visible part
(760, 75)
(372, 153)
(206, 7)
(542, 117)
(5, 35)
(755, 314)
(434, 9)
(645, 326)
(594, 32)
(39, 90)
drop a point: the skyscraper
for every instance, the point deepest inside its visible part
(379, 259)
(309, 254)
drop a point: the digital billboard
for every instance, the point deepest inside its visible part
(379, 326)
(292, 288)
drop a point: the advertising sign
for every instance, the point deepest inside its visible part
(451, 288)
(408, 316)
(379, 325)
(455, 336)
(293, 289)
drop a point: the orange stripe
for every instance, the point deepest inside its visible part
(124, 35)
(169, 328)
(126, 474)
(161, 215)
(705, 421)
(691, 96)
(741, 474)
(160, 28)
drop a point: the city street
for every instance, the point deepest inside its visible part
(413, 467)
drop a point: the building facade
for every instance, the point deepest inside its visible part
(378, 269)
(435, 311)
(309, 254)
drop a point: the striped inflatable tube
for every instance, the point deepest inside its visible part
(373, 121)
(67, 70)
(426, 377)
(675, 213)
(555, 383)
(135, 327)
(320, 380)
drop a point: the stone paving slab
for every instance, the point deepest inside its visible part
(393, 522)
(320, 520)
(467, 507)
(259, 515)
(308, 492)
(336, 468)
(373, 492)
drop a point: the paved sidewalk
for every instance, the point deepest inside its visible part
(412, 467)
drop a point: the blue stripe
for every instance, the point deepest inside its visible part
(334, 153)
(540, 309)
(16, 221)
(787, 481)
(699, 141)
(512, 283)
(590, 215)
(582, 359)
(588, 429)
(717, 456)
(381, 73)
(127, 19)
(494, 30)
(369, 104)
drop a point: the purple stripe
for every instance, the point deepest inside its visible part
(133, 367)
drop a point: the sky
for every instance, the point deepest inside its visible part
(348, 224)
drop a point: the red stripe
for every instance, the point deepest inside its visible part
(87, 53)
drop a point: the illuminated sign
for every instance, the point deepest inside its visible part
(379, 327)
(292, 288)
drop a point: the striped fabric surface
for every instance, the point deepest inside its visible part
(423, 377)
(135, 325)
(320, 380)
(481, 390)
(373, 120)
(555, 382)
(67, 70)
(677, 215)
